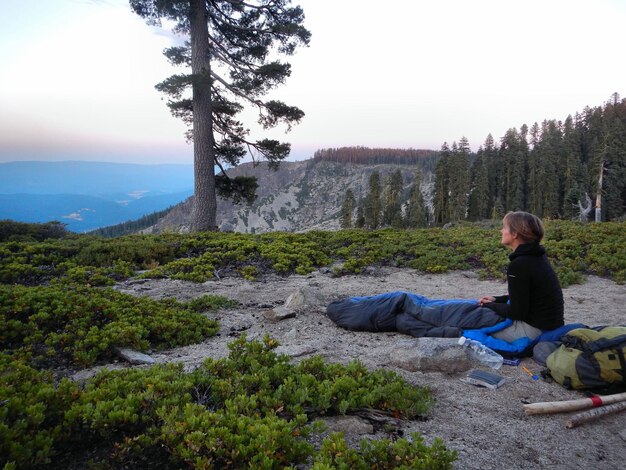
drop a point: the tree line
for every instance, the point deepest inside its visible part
(554, 169)
(425, 159)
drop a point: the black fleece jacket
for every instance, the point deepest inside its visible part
(535, 295)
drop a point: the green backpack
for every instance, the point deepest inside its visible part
(589, 358)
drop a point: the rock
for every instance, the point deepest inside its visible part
(303, 297)
(278, 313)
(622, 434)
(296, 300)
(291, 334)
(348, 425)
(470, 274)
(132, 356)
(296, 351)
(430, 355)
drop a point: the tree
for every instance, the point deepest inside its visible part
(514, 157)
(442, 182)
(392, 211)
(347, 207)
(360, 216)
(478, 206)
(373, 207)
(459, 181)
(416, 211)
(231, 50)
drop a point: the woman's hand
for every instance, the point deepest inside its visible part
(486, 299)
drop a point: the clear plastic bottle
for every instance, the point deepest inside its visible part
(482, 353)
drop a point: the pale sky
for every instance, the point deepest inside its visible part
(77, 76)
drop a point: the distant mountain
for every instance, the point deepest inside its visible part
(299, 196)
(89, 195)
(93, 178)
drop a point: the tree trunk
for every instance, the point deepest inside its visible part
(205, 204)
(599, 194)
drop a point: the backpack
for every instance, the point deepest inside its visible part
(590, 358)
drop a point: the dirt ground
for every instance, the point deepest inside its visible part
(487, 427)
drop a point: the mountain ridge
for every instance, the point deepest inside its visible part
(298, 196)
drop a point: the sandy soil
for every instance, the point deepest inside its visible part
(488, 428)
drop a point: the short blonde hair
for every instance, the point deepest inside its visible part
(525, 225)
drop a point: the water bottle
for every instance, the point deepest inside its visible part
(482, 353)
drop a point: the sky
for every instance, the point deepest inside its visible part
(77, 76)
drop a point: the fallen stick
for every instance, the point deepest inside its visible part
(592, 415)
(572, 405)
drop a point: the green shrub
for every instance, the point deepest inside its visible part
(572, 247)
(249, 410)
(83, 325)
(210, 302)
(31, 413)
(383, 454)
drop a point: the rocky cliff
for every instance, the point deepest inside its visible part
(299, 196)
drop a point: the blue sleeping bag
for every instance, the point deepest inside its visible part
(419, 316)
(411, 314)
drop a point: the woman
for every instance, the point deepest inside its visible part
(535, 300)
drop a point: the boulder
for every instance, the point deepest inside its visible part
(132, 356)
(348, 425)
(431, 355)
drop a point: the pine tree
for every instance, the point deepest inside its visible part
(458, 177)
(360, 216)
(442, 183)
(373, 206)
(415, 211)
(392, 211)
(479, 192)
(514, 155)
(549, 177)
(231, 50)
(614, 154)
(347, 207)
(571, 179)
(535, 190)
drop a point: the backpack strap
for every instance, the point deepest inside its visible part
(603, 343)
(592, 347)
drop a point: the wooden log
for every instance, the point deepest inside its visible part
(572, 405)
(594, 414)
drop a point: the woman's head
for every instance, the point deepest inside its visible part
(524, 226)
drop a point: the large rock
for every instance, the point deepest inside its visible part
(279, 313)
(303, 297)
(132, 356)
(431, 355)
(348, 425)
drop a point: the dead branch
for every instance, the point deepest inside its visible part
(572, 405)
(594, 414)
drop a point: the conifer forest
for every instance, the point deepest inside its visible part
(572, 169)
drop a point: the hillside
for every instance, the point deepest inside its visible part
(299, 196)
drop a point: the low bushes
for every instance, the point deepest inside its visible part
(252, 409)
(575, 249)
(77, 324)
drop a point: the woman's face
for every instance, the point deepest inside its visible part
(508, 239)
